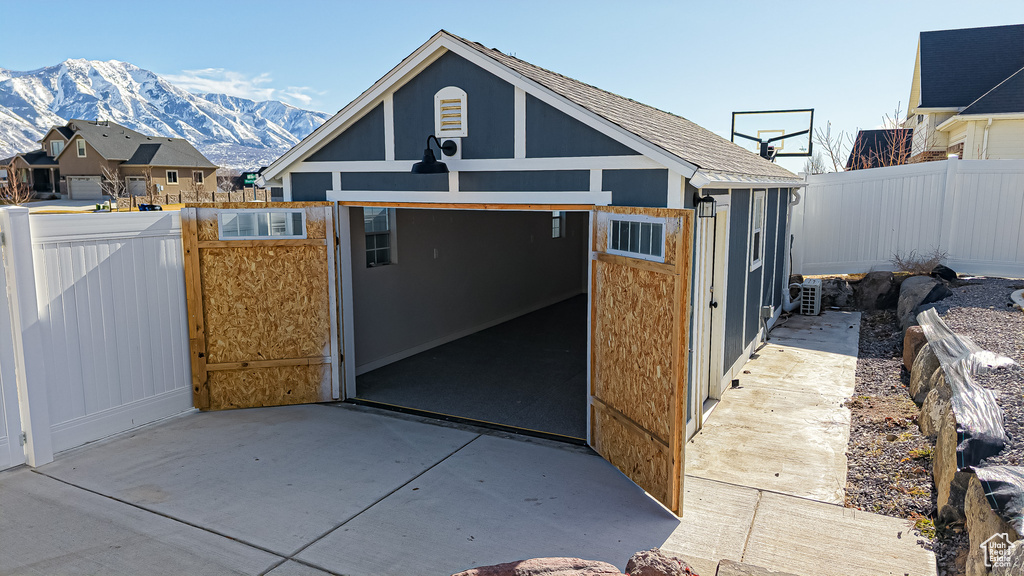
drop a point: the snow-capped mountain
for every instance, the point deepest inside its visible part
(231, 131)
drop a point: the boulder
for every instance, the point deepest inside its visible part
(876, 291)
(546, 567)
(913, 340)
(944, 459)
(921, 372)
(654, 562)
(1013, 564)
(935, 404)
(982, 524)
(914, 292)
(836, 292)
(730, 568)
(944, 272)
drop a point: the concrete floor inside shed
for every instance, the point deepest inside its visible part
(528, 372)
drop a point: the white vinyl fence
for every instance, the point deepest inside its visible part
(109, 344)
(972, 210)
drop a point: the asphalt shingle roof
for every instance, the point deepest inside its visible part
(874, 148)
(37, 158)
(674, 134)
(115, 142)
(168, 152)
(1007, 97)
(959, 66)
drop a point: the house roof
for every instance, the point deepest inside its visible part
(674, 134)
(168, 152)
(959, 66)
(874, 148)
(37, 158)
(1006, 97)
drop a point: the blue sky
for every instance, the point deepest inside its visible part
(851, 61)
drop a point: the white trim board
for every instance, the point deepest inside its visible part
(74, 433)
(426, 54)
(398, 196)
(72, 227)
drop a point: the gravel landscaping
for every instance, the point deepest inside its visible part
(889, 459)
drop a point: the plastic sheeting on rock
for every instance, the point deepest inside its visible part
(1004, 490)
(979, 420)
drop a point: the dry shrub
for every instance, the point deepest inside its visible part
(918, 263)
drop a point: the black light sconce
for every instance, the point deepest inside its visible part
(429, 164)
(705, 205)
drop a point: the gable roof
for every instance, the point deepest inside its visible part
(168, 152)
(1006, 98)
(64, 131)
(115, 142)
(672, 133)
(884, 147)
(959, 66)
(665, 136)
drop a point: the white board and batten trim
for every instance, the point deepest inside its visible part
(525, 198)
(519, 123)
(487, 164)
(433, 49)
(389, 128)
(348, 334)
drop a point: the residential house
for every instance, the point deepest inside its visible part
(84, 155)
(883, 147)
(560, 219)
(967, 94)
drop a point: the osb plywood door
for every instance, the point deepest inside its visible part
(639, 323)
(263, 327)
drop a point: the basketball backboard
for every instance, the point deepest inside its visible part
(777, 133)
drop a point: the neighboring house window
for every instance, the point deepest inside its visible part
(637, 237)
(557, 224)
(197, 177)
(380, 235)
(450, 113)
(172, 176)
(55, 147)
(757, 231)
(261, 224)
(81, 148)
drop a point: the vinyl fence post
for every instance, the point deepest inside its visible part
(29, 356)
(948, 201)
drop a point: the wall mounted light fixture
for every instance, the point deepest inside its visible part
(429, 164)
(705, 205)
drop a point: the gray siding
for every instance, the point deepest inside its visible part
(551, 133)
(394, 181)
(491, 103)
(489, 265)
(781, 281)
(529, 181)
(647, 188)
(739, 222)
(310, 186)
(771, 242)
(363, 140)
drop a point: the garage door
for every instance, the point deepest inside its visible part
(137, 186)
(85, 188)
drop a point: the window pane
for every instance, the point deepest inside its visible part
(230, 224)
(645, 238)
(624, 236)
(246, 224)
(613, 237)
(757, 248)
(657, 243)
(278, 223)
(634, 236)
(296, 223)
(263, 224)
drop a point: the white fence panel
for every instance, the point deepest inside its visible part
(973, 210)
(111, 297)
(11, 452)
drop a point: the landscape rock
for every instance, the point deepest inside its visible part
(731, 568)
(876, 291)
(836, 292)
(1014, 561)
(546, 567)
(654, 562)
(944, 272)
(913, 340)
(935, 404)
(914, 292)
(983, 523)
(921, 372)
(944, 459)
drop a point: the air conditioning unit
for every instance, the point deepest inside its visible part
(810, 297)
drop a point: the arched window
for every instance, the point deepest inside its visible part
(450, 112)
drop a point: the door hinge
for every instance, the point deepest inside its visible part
(23, 438)
(3, 239)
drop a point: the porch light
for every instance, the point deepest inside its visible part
(429, 164)
(705, 205)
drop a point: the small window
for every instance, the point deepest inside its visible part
(757, 231)
(557, 224)
(379, 236)
(197, 177)
(637, 237)
(261, 224)
(172, 176)
(81, 148)
(55, 147)
(450, 112)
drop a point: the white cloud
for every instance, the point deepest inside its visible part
(297, 94)
(221, 81)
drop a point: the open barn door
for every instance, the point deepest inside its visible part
(639, 320)
(261, 289)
